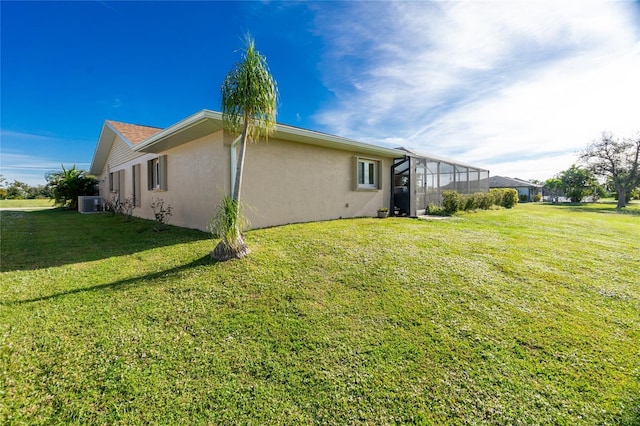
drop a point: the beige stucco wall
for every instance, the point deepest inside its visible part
(287, 182)
(196, 181)
(284, 182)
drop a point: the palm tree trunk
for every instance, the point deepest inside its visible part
(240, 164)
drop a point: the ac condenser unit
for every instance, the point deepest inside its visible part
(89, 204)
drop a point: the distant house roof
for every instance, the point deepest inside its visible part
(507, 182)
(134, 133)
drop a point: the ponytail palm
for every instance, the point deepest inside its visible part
(249, 97)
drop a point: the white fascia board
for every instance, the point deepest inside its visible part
(180, 126)
(105, 141)
(282, 131)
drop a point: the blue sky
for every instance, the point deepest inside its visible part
(516, 87)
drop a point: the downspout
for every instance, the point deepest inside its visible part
(234, 164)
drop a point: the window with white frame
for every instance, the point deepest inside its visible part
(367, 171)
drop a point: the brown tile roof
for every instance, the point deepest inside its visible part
(135, 133)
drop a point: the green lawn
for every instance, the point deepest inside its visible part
(36, 203)
(523, 316)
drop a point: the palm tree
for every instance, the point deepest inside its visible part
(249, 97)
(68, 184)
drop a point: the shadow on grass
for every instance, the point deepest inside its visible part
(165, 274)
(46, 238)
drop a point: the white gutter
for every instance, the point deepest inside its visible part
(234, 163)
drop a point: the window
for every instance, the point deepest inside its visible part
(116, 181)
(136, 184)
(157, 173)
(367, 173)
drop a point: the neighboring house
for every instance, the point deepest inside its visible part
(296, 176)
(526, 190)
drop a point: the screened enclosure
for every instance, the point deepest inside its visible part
(419, 180)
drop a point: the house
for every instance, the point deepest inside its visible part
(297, 175)
(526, 190)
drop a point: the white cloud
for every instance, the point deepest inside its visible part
(480, 81)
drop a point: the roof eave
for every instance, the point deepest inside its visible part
(105, 141)
(207, 121)
(196, 125)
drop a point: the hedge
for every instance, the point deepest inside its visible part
(453, 202)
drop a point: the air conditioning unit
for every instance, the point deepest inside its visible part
(90, 204)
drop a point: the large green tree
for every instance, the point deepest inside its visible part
(249, 100)
(616, 160)
(554, 187)
(68, 184)
(577, 182)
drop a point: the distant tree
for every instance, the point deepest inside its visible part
(38, 191)
(249, 97)
(554, 186)
(616, 160)
(67, 185)
(576, 182)
(17, 190)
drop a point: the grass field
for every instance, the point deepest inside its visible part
(523, 316)
(36, 203)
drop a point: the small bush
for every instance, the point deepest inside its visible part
(161, 213)
(435, 210)
(470, 202)
(524, 198)
(452, 202)
(509, 198)
(497, 194)
(484, 200)
(537, 198)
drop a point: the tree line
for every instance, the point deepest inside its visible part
(64, 187)
(606, 167)
(18, 190)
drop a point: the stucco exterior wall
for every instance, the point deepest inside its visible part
(284, 182)
(288, 182)
(196, 181)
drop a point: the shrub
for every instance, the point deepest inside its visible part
(161, 213)
(67, 185)
(484, 200)
(470, 202)
(509, 198)
(524, 198)
(436, 210)
(537, 198)
(497, 194)
(452, 202)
